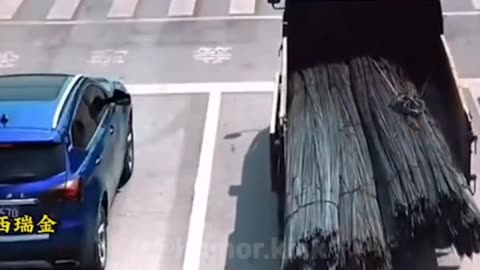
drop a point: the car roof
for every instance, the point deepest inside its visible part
(30, 101)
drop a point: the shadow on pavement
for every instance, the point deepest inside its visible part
(254, 245)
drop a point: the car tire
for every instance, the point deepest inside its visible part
(97, 247)
(129, 159)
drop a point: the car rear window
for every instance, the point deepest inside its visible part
(31, 87)
(30, 162)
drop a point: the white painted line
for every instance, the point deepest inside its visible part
(8, 8)
(193, 249)
(173, 19)
(242, 7)
(181, 8)
(147, 20)
(201, 88)
(122, 8)
(461, 13)
(63, 9)
(470, 81)
(476, 4)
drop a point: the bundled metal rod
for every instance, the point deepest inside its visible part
(426, 189)
(367, 168)
(311, 200)
(333, 218)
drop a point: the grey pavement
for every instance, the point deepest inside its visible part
(33, 10)
(241, 224)
(155, 53)
(463, 36)
(150, 217)
(457, 5)
(149, 220)
(165, 52)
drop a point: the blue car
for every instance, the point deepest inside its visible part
(66, 146)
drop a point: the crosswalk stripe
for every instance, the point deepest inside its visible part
(63, 9)
(476, 4)
(242, 7)
(8, 8)
(122, 8)
(181, 8)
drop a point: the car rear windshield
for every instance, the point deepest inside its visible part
(30, 162)
(31, 87)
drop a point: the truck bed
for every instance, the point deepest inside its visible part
(408, 32)
(425, 60)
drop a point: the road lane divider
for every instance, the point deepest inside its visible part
(8, 8)
(63, 9)
(122, 8)
(193, 248)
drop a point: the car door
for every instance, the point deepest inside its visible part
(87, 148)
(116, 128)
(112, 123)
(102, 113)
(119, 124)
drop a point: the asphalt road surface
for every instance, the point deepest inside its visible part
(201, 145)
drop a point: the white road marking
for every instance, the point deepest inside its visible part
(63, 9)
(8, 59)
(242, 7)
(179, 19)
(470, 81)
(107, 56)
(146, 20)
(8, 8)
(122, 8)
(181, 7)
(193, 248)
(213, 55)
(461, 13)
(201, 88)
(476, 4)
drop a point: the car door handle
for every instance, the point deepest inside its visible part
(98, 160)
(112, 129)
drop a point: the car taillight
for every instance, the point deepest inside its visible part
(6, 145)
(70, 190)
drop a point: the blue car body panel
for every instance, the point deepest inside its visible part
(99, 166)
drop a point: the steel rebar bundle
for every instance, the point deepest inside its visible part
(333, 218)
(426, 189)
(367, 167)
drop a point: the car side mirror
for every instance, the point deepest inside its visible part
(120, 98)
